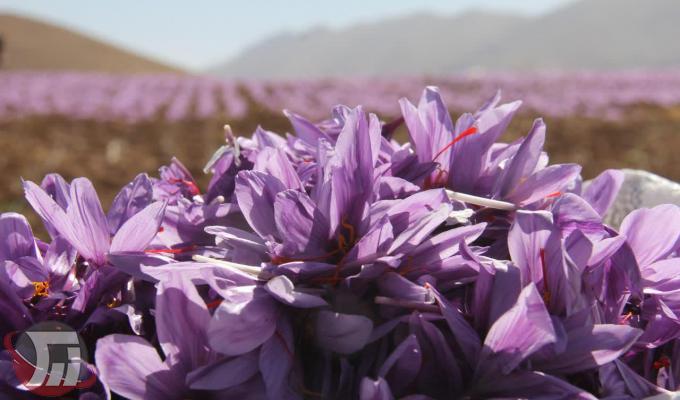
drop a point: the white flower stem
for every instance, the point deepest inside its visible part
(481, 201)
(249, 269)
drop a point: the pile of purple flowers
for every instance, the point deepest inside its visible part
(339, 263)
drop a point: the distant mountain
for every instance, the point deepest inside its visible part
(32, 44)
(586, 34)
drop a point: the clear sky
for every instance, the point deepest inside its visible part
(201, 33)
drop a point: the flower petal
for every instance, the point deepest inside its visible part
(523, 164)
(133, 198)
(145, 378)
(243, 321)
(652, 233)
(181, 320)
(138, 232)
(601, 191)
(375, 390)
(589, 347)
(88, 221)
(403, 365)
(282, 289)
(16, 237)
(255, 193)
(342, 333)
(518, 333)
(224, 373)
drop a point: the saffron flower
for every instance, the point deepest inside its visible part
(336, 262)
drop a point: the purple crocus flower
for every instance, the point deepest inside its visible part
(471, 164)
(336, 262)
(181, 319)
(85, 227)
(654, 249)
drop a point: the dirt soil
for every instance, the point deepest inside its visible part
(111, 153)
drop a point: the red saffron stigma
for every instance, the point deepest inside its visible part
(626, 318)
(469, 131)
(213, 304)
(193, 189)
(663, 362)
(554, 194)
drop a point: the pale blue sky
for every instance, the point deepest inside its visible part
(201, 33)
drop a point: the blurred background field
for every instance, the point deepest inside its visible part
(604, 74)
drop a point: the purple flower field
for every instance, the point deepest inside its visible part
(137, 98)
(339, 262)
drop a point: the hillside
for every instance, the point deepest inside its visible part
(36, 45)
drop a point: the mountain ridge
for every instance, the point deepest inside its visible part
(586, 34)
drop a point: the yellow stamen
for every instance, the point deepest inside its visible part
(41, 289)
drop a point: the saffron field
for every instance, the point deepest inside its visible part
(109, 127)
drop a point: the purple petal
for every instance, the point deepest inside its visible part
(470, 153)
(436, 249)
(89, 222)
(526, 239)
(416, 233)
(276, 361)
(16, 237)
(304, 270)
(572, 212)
(544, 183)
(392, 187)
(517, 334)
(465, 335)
(589, 347)
(282, 289)
(304, 129)
(394, 285)
(255, 193)
(523, 164)
(405, 213)
(225, 373)
(605, 249)
(57, 188)
(579, 248)
(403, 365)
(618, 379)
(302, 227)
(662, 271)
(52, 214)
(138, 232)
(375, 390)
(420, 138)
(352, 174)
(181, 320)
(145, 378)
(15, 316)
(60, 256)
(243, 321)
(652, 233)
(133, 198)
(342, 333)
(602, 191)
(373, 244)
(496, 290)
(275, 162)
